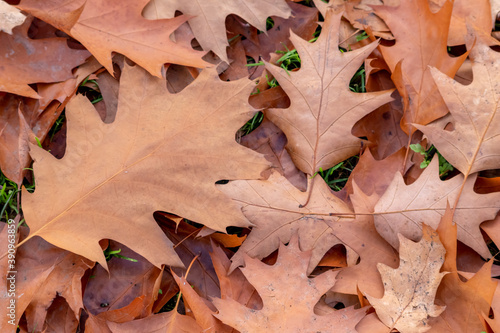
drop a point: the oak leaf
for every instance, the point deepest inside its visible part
(466, 302)
(415, 27)
(323, 110)
(25, 60)
(284, 309)
(403, 207)
(208, 17)
(117, 26)
(473, 144)
(273, 207)
(149, 161)
(411, 288)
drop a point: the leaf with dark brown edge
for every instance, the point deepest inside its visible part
(277, 285)
(411, 288)
(269, 140)
(25, 60)
(104, 27)
(124, 281)
(302, 22)
(323, 109)
(150, 161)
(416, 28)
(465, 302)
(187, 246)
(208, 17)
(403, 207)
(273, 207)
(473, 144)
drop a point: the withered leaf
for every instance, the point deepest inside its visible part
(403, 207)
(208, 17)
(148, 159)
(285, 310)
(473, 145)
(323, 110)
(411, 288)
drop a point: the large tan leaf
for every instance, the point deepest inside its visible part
(421, 37)
(411, 288)
(473, 145)
(208, 17)
(110, 26)
(273, 207)
(403, 208)
(323, 110)
(285, 309)
(114, 176)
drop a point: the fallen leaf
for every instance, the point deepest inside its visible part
(208, 17)
(273, 284)
(415, 27)
(411, 288)
(26, 61)
(465, 302)
(148, 143)
(273, 207)
(116, 26)
(124, 282)
(323, 109)
(403, 207)
(473, 144)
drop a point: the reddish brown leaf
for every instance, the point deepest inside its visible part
(115, 26)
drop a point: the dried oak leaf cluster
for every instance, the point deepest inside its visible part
(159, 171)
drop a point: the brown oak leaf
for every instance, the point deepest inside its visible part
(284, 309)
(415, 28)
(110, 26)
(411, 288)
(323, 110)
(25, 60)
(473, 144)
(273, 207)
(150, 161)
(208, 17)
(403, 207)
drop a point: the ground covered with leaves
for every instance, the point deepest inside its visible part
(249, 166)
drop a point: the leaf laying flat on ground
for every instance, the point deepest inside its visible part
(208, 17)
(416, 28)
(473, 145)
(466, 302)
(284, 309)
(403, 207)
(273, 207)
(26, 61)
(148, 159)
(110, 26)
(323, 109)
(411, 288)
